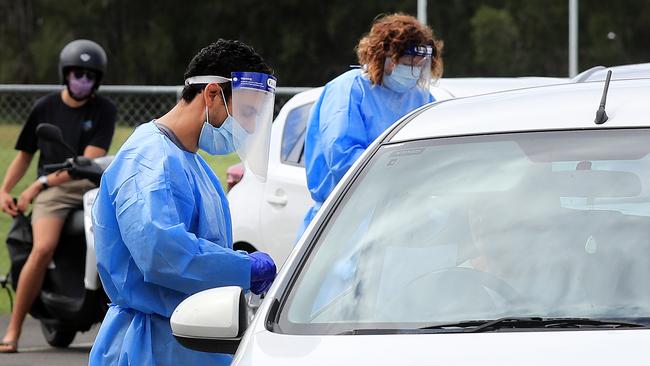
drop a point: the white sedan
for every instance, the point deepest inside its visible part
(266, 215)
(513, 231)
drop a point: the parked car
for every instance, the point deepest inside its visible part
(266, 215)
(513, 231)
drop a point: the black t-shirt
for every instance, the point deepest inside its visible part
(91, 124)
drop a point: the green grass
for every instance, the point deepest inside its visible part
(8, 136)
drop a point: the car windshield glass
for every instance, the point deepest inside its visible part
(539, 224)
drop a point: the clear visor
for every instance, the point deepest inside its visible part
(418, 59)
(253, 98)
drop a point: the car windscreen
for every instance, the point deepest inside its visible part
(544, 224)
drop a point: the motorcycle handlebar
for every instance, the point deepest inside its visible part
(81, 167)
(49, 168)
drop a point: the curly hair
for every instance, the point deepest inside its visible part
(390, 36)
(221, 58)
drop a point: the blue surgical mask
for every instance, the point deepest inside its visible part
(403, 78)
(218, 140)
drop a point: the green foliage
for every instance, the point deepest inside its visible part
(309, 43)
(494, 36)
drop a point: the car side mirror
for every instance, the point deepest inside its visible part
(213, 320)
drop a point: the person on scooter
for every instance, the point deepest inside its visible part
(87, 121)
(161, 219)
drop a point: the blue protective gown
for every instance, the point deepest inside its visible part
(162, 232)
(349, 115)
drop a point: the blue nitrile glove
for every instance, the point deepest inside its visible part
(262, 272)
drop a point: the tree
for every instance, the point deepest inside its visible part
(494, 36)
(309, 43)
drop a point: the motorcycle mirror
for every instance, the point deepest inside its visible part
(52, 133)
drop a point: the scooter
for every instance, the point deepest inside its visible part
(71, 299)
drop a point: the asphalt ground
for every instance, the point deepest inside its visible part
(33, 350)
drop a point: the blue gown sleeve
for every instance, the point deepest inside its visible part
(343, 135)
(152, 222)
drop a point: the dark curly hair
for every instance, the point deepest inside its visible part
(221, 58)
(390, 36)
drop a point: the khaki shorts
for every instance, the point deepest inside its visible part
(59, 200)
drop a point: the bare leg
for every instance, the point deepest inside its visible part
(46, 232)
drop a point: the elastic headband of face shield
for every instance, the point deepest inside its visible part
(206, 79)
(422, 51)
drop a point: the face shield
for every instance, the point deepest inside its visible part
(253, 98)
(414, 65)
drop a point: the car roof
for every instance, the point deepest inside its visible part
(447, 88)
(599, 73)
(564, 106)
(464, 87)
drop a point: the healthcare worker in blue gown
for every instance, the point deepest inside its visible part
(399, 57)
(161, 219)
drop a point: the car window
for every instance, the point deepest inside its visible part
(548, 224)
(293, 136)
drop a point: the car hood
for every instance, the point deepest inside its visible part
(592, 348)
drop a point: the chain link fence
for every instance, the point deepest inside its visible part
(135, 105)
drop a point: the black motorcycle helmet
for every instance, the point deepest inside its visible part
(85, 54)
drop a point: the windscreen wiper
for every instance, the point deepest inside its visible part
(555, 323)
(451, 327)
(478, 326)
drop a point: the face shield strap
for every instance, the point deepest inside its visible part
(422, 51)
(206, 79)
(224, 103)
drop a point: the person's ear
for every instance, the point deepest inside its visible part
(389, 66)
(210, 93)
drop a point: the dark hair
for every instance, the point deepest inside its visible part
(221, 58)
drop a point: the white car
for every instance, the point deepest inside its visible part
(513, 231)
(266, 215)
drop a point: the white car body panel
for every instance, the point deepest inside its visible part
(510, 111)
(91, 277)
(465, 87)
(244, 200)
(592, 348)
(599, 73)
(190, 317)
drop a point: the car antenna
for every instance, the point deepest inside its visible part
(601, 115)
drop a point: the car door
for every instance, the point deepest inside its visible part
(286, 197)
